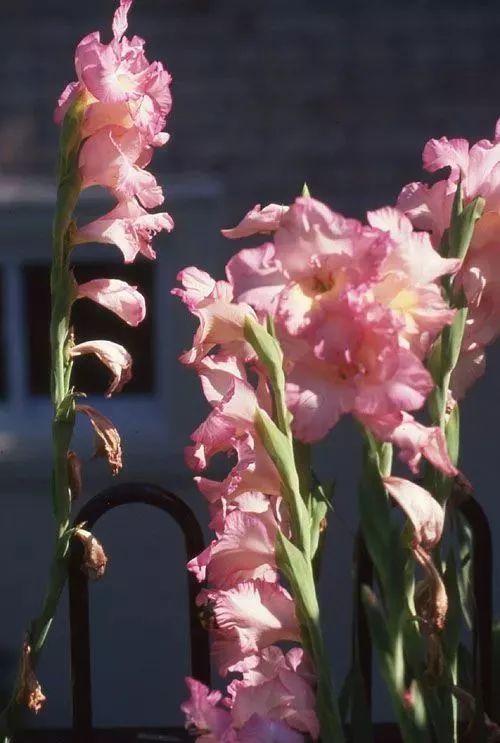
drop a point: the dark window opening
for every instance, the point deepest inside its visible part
(90, 322)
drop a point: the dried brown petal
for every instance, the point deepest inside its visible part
(431, 600)
(107, 442)
(74, 474)
(30, 692)
(94, 557)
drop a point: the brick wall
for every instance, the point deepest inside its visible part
(272, 92)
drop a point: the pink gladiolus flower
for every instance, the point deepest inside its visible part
(221, 321)
(414, 441)
(254, 471)
(243, 552)
(256, 278)
(258, 220)
(114, 356)
(118, 296)
(128, 226)
(408, 276)
(232, 417)
(204, 714)
(114, 157)
(259, 613)
(261, 730)
(119, 84)
(478, 168)
(278, 687)
(358, 366)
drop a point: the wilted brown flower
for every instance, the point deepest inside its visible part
(94, 557)
(107, 441)
(30, 692)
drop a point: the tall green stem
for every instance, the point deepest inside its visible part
(62, 296)
(295, 558)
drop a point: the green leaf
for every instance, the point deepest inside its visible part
(451, 344)
(266, 347)
(462, 227)
(305, 191)
(280, 449)
(298, 571)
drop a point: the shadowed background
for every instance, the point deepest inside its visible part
(267, 95)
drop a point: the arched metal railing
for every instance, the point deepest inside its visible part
(92, 511)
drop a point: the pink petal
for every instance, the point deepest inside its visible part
(422, 509)
(120, 21)
(442, 153)
(258, 220)
(118, 296)
(244, 551)
(110, 158)
(261, 730)
(255, 277)
(128, 226)
(203, 712)
(260, 613)
(67, 97)
(115, 357)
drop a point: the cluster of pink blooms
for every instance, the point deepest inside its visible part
(127, 100)
(477, 168)
(271, 696)
(356, 308)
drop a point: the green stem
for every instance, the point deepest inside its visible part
(62, 296)
(295, 558)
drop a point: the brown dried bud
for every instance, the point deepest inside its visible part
(94, 557)
(74, 474)
(30, 692)
(107, 439)
(462, 489)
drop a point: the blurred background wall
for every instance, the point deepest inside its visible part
(267, 94)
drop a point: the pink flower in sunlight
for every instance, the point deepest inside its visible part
(244, 551)
(128, 226)
(221, 320)
(232, 417)
(204, 714)
(256, 277)
(259, 613)
(115, 158)
(119, 84)
(114, 356)
(116, 295)
(258, 220)
(357, 367)
(408, 280)
(279, 686)
(414, 441)
(262, 730)
(429, 207)
(253, 471)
